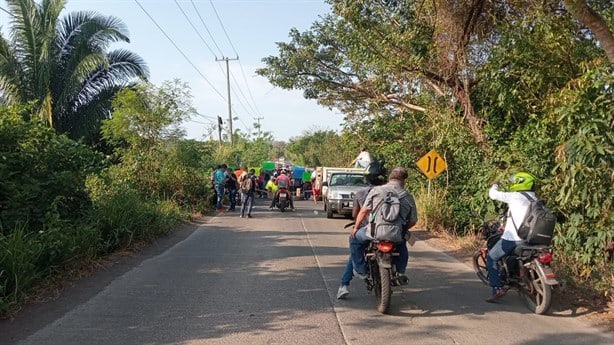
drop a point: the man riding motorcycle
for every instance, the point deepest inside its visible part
(375, 174)
(518, 205)
(283, 182)
(396, 183)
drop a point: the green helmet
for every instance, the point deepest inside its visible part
(522, 181)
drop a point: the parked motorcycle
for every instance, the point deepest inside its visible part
(283, 199)
(527, 269)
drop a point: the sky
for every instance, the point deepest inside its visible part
(247, 29)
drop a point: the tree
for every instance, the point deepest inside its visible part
(319, 148)
(592, 20)
(63, 66)
(144, 115)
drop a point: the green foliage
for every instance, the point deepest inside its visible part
(122, 217)
(43, 174)
(494, 89)
(67, 204)
(63, 65)
(320, 148)
(20, 252)
(154, 163)
(582, 185)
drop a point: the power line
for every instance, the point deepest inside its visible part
(249, 90)
(194, 27)
(242, 94)
(224, 29)
(179, 49)
(206, 28)
(237, 54)
(7, 12)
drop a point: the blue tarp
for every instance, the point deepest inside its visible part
(297, 172)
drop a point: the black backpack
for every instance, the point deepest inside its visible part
(537, 227)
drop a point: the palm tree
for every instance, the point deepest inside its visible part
(62, 65)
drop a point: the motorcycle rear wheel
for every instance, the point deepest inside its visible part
(535, 293)
(480, 268)
(385, 290)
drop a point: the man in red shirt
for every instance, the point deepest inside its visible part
(283, 182)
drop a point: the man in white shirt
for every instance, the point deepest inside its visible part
(363, 159)
(518, 206)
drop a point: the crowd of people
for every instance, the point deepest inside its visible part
(228, 182)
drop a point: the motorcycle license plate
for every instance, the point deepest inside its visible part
(282, 195)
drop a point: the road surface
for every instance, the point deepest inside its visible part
(272, 279)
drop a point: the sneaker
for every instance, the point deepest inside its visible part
(240, 216)
(343, 292)
(497, 293)
(293, 209)
(221, 209)
(403, 279)
(360, 275)
(271, 208)
(249, 216)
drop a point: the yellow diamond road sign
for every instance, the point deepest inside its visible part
(431, 164)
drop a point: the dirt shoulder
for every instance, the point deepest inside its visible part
(566, 301)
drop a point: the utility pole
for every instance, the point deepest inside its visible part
(228, 90)
(259, 127)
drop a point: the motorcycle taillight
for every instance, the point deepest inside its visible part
(545, 258)
(385, 247)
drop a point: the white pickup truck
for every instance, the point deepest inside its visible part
(339, 185)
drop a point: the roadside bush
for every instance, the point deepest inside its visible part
(41, 172)
(20, 253)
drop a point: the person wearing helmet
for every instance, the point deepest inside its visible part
(518, 205)
(282, 181)
(375, 175)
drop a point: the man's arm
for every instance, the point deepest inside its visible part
(359, 218)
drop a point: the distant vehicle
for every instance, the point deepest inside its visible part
(326, 174)
(341, 188)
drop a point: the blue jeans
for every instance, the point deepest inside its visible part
(499, 250)
(359, 243)
(219, 189)
(232, 195)
(247, 203)
(347, 273)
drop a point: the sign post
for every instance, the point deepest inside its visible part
(431, 165)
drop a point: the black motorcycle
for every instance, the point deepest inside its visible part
(527, 269)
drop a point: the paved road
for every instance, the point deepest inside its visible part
(272, 279)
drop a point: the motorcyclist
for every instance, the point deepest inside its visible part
(283, 182)
(375, 174)
(518, 205)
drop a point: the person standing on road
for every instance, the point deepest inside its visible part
(232, 187)
(375, 175)
(219, 180)
(248, 190)
(316, 185)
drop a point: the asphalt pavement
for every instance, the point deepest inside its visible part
(272, 279)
